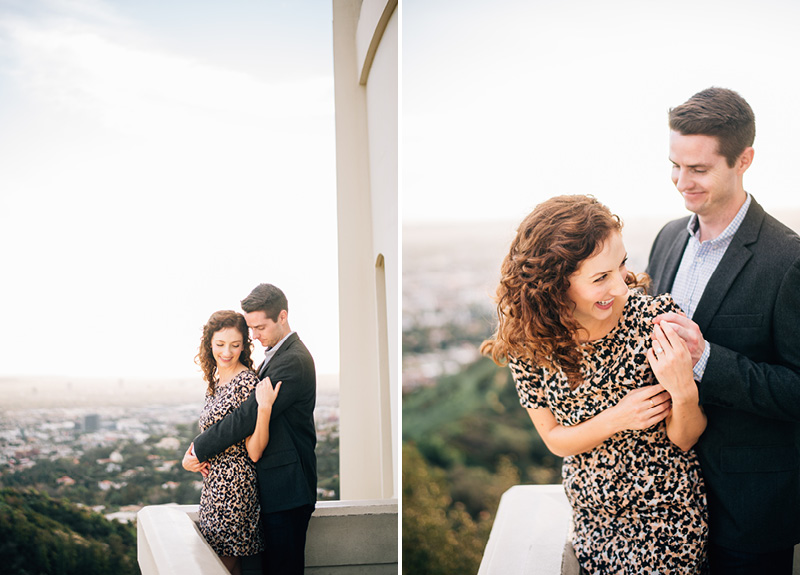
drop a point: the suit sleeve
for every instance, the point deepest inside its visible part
(233, 428)
(770, 389)
(651, 258)
(298, 387)
(299, 383)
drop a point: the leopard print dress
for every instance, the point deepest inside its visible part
(229, 508)
(638, 500)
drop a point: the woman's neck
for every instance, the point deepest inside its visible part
(225, 375)
(600, 329)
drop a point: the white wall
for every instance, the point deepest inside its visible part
(365, 36)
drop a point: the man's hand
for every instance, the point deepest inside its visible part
(191, 463)
(687, 330)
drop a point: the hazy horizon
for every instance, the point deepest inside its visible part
(58, 391)
(481, 245)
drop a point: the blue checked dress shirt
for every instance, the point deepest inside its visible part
(700, 260)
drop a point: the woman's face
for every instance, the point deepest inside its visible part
(599, 283)
(226, 346)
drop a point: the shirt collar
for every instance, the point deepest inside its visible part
(694, 225)
(275, 347)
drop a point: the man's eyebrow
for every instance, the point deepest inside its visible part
(674, 163)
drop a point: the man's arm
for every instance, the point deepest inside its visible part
(233, 428)
(735, 381)
(299, 385)
(769, 389)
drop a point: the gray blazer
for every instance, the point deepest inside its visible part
(750, 391)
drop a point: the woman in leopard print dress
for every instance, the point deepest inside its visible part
(229, 507)
(608, 389)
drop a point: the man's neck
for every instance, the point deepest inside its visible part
(712, 225)
(284, 334)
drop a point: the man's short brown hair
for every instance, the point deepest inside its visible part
(717, 112)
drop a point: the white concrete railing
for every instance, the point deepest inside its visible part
(344, 538)
(530, 531)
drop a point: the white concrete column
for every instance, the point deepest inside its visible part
(382, 127)
(366, 165)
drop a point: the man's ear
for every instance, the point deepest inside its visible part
(283, 316)
(745, 160)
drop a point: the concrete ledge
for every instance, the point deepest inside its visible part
(530, 531)
(353, 537)
(169, 543)
(344, 538)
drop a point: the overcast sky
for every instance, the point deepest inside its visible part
(510, 102)
(157, 161)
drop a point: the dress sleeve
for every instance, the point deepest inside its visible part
(664, 303)
(245, 387)
(528, 382)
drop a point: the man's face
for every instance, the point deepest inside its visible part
(704, 179)
(265, 330)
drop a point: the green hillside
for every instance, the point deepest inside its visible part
(41, 535)
(466, 440)
(473, 419)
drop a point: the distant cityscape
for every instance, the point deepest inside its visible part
(116, 459)
(450, 274)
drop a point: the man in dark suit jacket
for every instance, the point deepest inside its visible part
(735, 271)
(287, 471)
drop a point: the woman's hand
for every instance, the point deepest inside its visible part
(191, 463)
(671, 361)
(642, 407)
(265, 397)
(687, 330)
(266, 394)
(639, 409)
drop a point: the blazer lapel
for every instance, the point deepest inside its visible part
(671, 262)
(262, 369)
(735, 258)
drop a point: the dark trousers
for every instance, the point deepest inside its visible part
(724, 561)
(285, 540)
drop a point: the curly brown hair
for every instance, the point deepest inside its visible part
(535, 320)
(220, 320)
